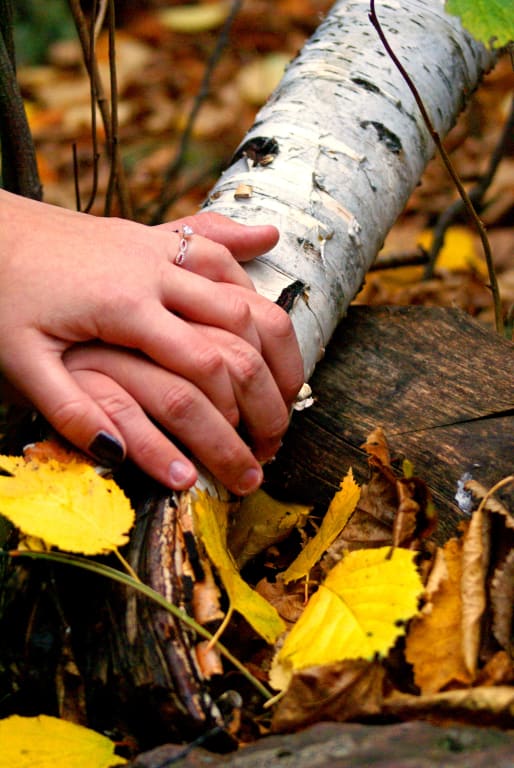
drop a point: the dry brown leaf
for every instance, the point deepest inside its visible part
(377, 448)
(502, 601)
(288, 599)
(475, 561)
(433, 645)
(486, 705)
(391, 510)
(499, 670)
(340, 692)
(490, 503)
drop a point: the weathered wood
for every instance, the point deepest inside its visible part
(336, 745)
(441, 386)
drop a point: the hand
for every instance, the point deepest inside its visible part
(67, 277)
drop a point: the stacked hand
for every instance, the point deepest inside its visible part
(126, 353)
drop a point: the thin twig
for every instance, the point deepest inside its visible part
(114, 155)
(99, 18)
(449, 167)
(81, 26)
(396, 260)
(167, 194)
(476, 194)
(93, 101)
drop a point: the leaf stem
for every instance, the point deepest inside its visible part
(128, 580)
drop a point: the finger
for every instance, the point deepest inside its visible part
(246, 314)
(279, 346)
(263, 410)
(176, 405)
(146, 444)
(177, 346)
(195, 253)
(219, 304)
(243, 241)
(43, 379)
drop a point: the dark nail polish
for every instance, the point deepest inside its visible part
(107, 449)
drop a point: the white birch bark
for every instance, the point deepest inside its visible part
(342, 146)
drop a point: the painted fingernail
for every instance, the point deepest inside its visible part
(249, 481)
(107, 449)
(181, 475)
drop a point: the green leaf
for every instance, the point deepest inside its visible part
(490, 21)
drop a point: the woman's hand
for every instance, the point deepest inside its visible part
(214, 347)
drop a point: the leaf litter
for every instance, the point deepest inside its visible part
(466, 673)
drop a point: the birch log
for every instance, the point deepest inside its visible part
(335, 153)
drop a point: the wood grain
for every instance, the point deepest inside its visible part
(440, 384)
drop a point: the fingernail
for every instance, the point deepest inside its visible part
(249, 481)
(181, 475)
(107, 449)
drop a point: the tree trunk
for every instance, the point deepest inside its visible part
(19, 166)
(331, 160)
(335, 153)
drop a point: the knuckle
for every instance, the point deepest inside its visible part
(178, 402)
(279, 321)
(67, 415)
(209, 361)
(118, 404)
(239, 311)
(248, 365)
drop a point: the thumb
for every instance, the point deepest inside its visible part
(245, 242)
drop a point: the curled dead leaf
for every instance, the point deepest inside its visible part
(434, 640)
(344, 691)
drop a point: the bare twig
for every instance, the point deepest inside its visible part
(476, 194)
(167, 194)
(99, 17)
(114, 151)
(449, 167)
(395, 260)
(93, 99)
(101, 99)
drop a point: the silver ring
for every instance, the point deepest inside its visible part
(186, 231)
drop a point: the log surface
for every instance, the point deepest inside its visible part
(441, 386)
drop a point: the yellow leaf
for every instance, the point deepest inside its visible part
(47, 742)
(68, 505)
(258, 79)
(192, 19)
(339, 512)
(458, 252)
(211, 525)
(260, 522)
(356, 614)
